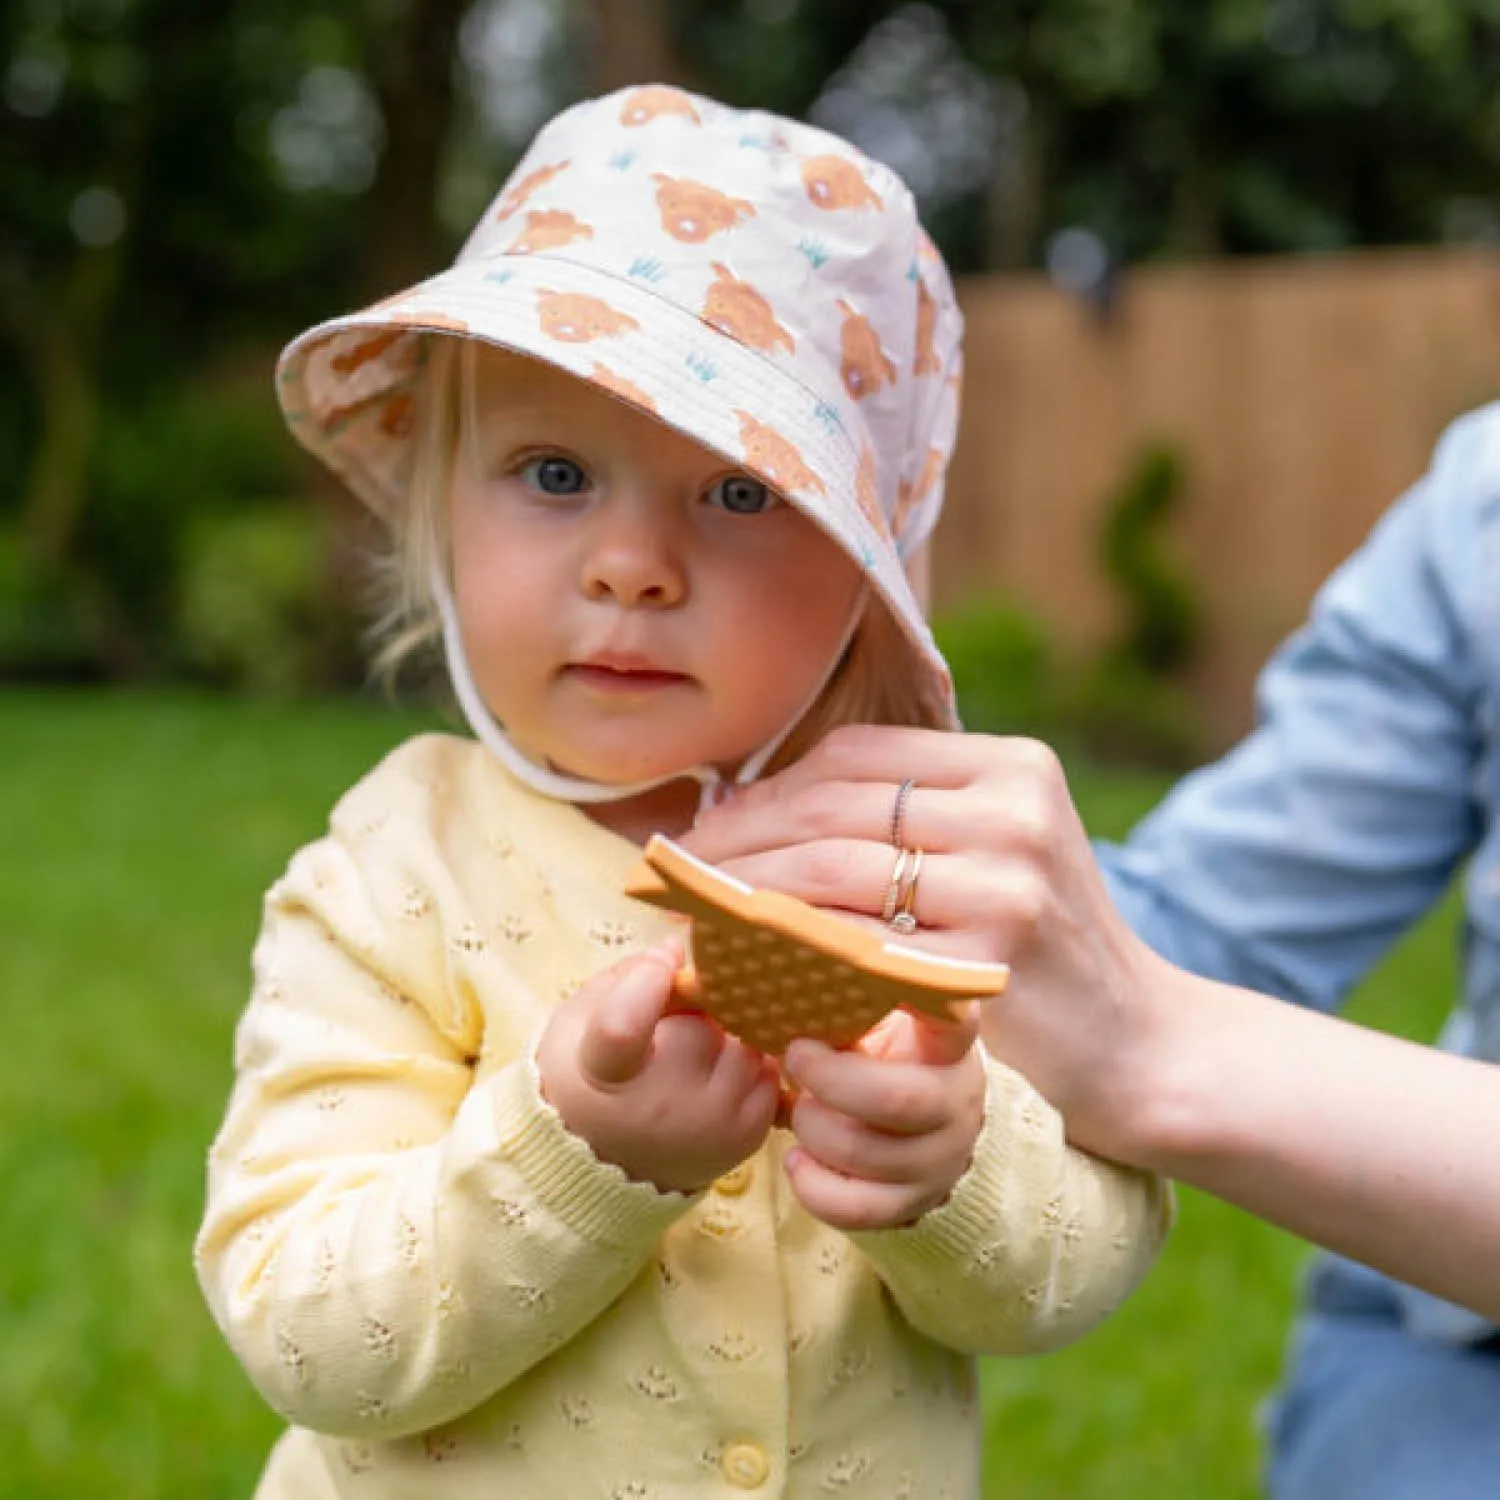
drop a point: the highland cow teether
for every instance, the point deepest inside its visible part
(769, 968)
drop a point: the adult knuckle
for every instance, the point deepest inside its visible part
(1038, 762)
(1029, 829)
(1030, 899)
(825, 866)
(818, 812)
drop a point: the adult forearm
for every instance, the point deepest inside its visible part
(1358, 1141)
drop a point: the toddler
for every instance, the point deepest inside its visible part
(488, 1215)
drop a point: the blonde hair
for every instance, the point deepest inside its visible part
(876, 682)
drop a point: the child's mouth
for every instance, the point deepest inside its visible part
(623, 677)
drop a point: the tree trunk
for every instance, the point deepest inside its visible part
(628, 41)
(411, 63)
(1196, 229)
(61, 351)
(1015, 205)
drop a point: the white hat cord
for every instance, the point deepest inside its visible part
(565, 788)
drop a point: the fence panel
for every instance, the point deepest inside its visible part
(1301, 395)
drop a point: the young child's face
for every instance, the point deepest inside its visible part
(631, 605)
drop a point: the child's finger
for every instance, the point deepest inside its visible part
(916, 1036)
(850, 1203)
(618, 1032)
(856, 1150)
(901, 1097)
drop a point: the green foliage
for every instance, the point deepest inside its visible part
(1002, 665)
(255, 595)
(167, 462)
(1120, 714)
(1163, 624)
(1129, 705)
(50, 625)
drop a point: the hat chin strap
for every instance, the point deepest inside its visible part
(566, 788)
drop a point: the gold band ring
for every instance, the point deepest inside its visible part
(904, 920)
(895, 892)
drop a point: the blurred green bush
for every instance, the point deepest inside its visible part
(183, 565)
(1128, 704)
(257, 603)
(1003, 666)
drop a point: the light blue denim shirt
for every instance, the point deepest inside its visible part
(1291, 865)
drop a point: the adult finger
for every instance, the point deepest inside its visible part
(981, 893)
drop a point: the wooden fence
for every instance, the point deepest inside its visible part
(1301, 395)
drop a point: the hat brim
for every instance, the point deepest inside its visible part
(350, 389)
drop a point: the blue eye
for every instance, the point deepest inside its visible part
(741, 495)
(554, 475)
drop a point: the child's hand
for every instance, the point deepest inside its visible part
(668, 1098)
(887, 1127)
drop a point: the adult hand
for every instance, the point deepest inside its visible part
(1007, 876)
(668, 1098)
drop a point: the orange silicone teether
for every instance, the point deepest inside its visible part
(769, 968)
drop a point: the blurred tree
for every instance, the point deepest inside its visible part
(628, 41)
(1188, 127)
(179, 182)
(408, 48)
(176, 180)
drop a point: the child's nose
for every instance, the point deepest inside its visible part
(634, 559)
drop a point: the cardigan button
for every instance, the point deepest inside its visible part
(735, 1182)
(745, 1465)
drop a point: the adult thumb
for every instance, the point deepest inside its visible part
(617, 1036)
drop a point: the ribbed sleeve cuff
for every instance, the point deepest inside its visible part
(594, 1198)
(951, 1236)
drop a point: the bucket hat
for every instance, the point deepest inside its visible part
(754, 282)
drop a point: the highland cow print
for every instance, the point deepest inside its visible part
(609, 380)
(911, 494)
(736, 308)
(549, 229)
(692, 211)
(865, 367)
(398, 417)
(834, 182)
(867, 489)
(575, 318)
(776, 459)
(515, 198)
(641, 106)
(360, 354)
(927, 361)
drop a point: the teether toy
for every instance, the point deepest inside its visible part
(768, 967)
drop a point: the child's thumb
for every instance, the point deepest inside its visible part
(941, 1043)
(617, 1036)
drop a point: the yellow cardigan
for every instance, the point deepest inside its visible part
(449, 1295)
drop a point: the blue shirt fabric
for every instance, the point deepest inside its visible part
(1371, 779)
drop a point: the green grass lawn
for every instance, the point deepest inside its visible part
(138, 833)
